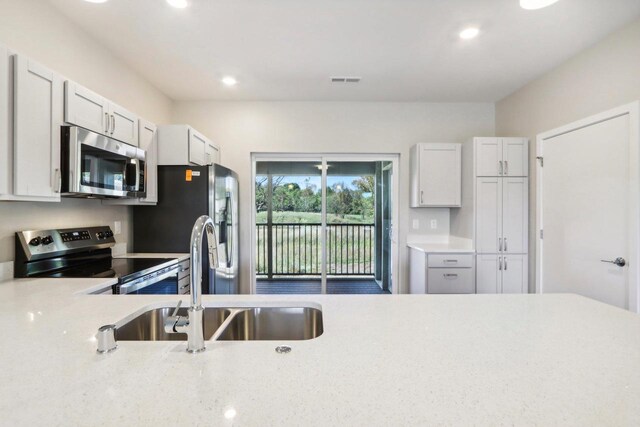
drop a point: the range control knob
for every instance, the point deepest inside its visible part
(35, 241)
(47, 240)
(108, 233)
(100, 235)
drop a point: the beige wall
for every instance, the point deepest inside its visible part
(602, 77)
(328, 127)
(36, 29)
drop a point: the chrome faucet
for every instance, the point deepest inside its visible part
(193, 324)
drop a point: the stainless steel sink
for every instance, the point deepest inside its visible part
(273, 323)
(149, 326)
(230, 324)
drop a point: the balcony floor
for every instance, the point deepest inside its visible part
(307, 286)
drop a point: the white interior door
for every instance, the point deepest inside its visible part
(588, 198)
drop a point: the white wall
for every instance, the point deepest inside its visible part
(36, 29)
(329, 127)
(602, 77)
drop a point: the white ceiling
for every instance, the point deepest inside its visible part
(404, 50)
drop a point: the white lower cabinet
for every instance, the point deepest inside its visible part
(441, 273)
(450, 281)
(506, 274)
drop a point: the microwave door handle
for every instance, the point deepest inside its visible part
(138, 175)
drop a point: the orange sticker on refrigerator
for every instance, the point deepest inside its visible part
(189, 175)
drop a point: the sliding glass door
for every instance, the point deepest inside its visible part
(323, 225)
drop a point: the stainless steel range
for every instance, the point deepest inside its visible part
(86, 252)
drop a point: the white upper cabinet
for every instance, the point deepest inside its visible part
(515, 215)
(515, 155)
(149, 142)
(124, 124)
(6, 125)
(212, 153)
(197, 148)
(502, 157)
(183, 145)
(488, 215)
(38, 106)
(488, 156)
(91, 111)
(436, 175)
(85, 108)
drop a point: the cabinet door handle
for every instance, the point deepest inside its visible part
(107, 123)
(113, 124)
(450, 260)
(450, 275)
(499, 244)
(500, 263)
(505, 264)
(506, 167)
(505, 245)
(58, 181)
(500, 162)
(421, 197)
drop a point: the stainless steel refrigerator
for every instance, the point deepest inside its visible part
(184, 194)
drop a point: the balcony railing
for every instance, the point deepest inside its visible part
(295, 250)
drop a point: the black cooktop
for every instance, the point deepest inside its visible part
(121, 268)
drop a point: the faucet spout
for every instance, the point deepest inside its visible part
(193, 326)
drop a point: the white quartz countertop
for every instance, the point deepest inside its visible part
(382, 360)
(442, 247)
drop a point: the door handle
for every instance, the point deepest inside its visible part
(499, 244)
(505, 264)
(421, 197)
(449, 275)
(500, 263)
(506, 167)
(58, 181)
(500, 163)
(107, 123)
(113, 124)
(620, 262)
(505, 245)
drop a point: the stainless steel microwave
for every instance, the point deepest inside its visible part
(94, 165)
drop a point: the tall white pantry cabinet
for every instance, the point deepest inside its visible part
(501, 208)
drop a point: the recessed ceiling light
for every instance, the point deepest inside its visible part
(229, 81)
(178, 4)
(469, 33)
(536, 4)
(96, 1)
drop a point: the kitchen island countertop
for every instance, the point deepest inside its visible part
(382, 360)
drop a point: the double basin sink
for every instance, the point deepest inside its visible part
(230, 324)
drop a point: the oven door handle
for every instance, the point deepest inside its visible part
(148, 280)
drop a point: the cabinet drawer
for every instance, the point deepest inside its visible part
(450, 260)
(450, 281)
(184, 269)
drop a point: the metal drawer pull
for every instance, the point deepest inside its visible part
(450, 260)
(450, 275)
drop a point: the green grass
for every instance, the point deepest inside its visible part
(311, 218)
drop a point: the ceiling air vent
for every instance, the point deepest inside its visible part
(345, 79)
